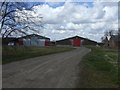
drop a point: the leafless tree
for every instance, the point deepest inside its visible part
(108, 34)
(14, 19)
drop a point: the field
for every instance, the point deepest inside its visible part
(11, 54)
(99, 69)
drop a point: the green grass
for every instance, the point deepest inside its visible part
(99, 69)
(11, 54)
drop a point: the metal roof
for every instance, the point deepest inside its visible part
(43, 37)
(76, 37)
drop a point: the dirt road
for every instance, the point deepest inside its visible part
(51, 71)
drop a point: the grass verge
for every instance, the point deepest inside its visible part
(99, 69)
(11, 54)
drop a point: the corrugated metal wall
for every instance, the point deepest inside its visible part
(34, 41)
(41, 42)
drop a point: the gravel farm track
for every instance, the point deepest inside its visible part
(51, 71)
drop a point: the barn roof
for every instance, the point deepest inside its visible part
(76, 37)
(69, 38)
(43, 37)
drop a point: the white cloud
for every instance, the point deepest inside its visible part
(70, 19)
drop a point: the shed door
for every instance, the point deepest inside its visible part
(46, 43)
(76, 42)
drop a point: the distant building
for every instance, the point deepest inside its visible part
(75, 41)
(10, 41)
(114, 41)
(34, 40)
(28, 40)
(52, 43)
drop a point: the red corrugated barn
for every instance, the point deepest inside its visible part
(76, 41)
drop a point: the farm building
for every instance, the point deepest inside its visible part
(12, 41)
(114, 41)
(34, 40)
(52, 43)
(76, 41)
(29, 40)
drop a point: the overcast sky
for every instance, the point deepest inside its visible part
(66, 19)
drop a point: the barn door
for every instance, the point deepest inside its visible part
(76, 42)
